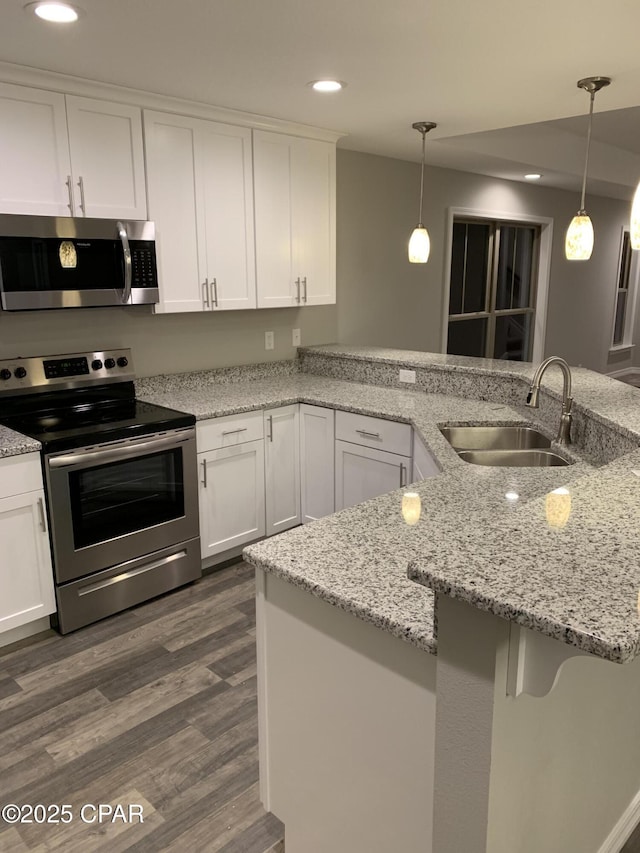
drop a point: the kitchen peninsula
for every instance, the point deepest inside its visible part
(470, 660)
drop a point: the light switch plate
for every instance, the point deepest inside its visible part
(295, 337)
(408, 376)
(268, 340)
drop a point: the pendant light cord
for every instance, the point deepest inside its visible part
(586, 162)
(424, 136)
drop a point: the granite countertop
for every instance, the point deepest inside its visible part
(14, 444)
(357, 559)
(566, 565)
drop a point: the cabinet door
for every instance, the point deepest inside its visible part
(424, 464)
(317, 483)
(272, 176)
(226, 175)
(314, 220)
(34, 152)
(107, 160)
(363, 473)
(231, 496)
(176, 205)
(282, 467)
(26, 576)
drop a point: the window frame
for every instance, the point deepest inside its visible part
(491, 313)
(545, 224)
(631, 275)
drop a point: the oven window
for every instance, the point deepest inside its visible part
(123, 497)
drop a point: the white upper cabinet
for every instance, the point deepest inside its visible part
(34, 152)
(294, 191)
(199, 179)
(67, 156)
(107, 159)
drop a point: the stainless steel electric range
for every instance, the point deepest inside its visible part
(120, 481)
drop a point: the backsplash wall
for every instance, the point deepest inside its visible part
(167, 343)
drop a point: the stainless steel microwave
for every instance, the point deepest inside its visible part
(65, 262)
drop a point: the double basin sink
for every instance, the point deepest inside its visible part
(503, 446)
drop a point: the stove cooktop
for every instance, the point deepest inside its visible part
(66, 428)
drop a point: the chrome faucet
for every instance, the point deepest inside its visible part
(564, 436)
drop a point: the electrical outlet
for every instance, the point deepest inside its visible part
(408, 376)
(269, 340)
(295, 337)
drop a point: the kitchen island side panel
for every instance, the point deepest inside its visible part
(347, 716)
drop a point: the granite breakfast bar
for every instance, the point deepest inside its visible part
(573, 753)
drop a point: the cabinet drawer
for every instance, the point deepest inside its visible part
(374, 432)
(229, 431)
(20, 474)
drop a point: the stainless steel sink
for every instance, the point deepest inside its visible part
(513, 458)
(494, 437)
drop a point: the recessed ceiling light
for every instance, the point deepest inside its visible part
(326, 85)
(532, 177)
(59, 13)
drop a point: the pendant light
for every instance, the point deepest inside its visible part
(419, 243)
(578, 243)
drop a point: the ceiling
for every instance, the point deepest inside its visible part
(498, 77)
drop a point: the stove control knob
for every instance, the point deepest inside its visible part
(122, 361)
(96, 364)
(109, 363)
(5, 374)
(20, 373)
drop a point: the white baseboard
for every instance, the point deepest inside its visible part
(626, 371)
(621, 832)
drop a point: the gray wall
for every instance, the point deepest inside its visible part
(382, 299)
(385, 300)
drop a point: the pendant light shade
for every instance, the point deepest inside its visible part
(578, 243)
(634, 227)
(419, 243)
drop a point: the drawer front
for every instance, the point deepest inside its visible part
(374, 432)
(229, 431)
(20, 474)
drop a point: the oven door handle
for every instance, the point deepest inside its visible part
(126, 252)
(113, 454)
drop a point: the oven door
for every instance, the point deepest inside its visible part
(120, 501)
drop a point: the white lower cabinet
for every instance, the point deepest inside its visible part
(282, 468)
(317, 480)
(364, 472)
(231, 494)
(26, 577)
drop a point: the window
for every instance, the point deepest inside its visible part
(492, 297)
(621, 332)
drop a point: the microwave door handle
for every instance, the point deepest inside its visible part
(126, 251)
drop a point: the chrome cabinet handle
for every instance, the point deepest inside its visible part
(72, 203)
(214, 293)
(126, 252)
(304, 281)
(43, 518)
(204, 474)
(205, 292)
(297, 284)
(83, 206)
(233, 431)
(403, 474)
(366, 434)
(270, 427)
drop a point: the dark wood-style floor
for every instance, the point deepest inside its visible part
(155, 707)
